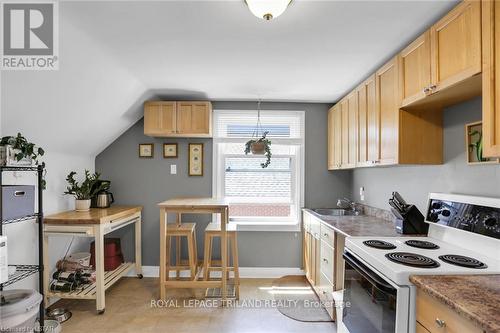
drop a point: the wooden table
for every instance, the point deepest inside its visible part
(193, 206)
(95, 223)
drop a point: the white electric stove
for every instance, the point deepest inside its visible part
(463, 238)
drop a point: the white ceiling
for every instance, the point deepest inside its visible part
(114, 55)
(316, 51)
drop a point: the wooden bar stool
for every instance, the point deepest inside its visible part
(179, 231)
(209, 265)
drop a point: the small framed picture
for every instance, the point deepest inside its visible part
(170, 150)
(146, 150)
(196, 159)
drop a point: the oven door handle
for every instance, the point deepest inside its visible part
(369, 274)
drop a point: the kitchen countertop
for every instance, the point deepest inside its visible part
(361, 225)
(475, 297)
(92, 216)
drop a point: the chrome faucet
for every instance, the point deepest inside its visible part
(346, 203)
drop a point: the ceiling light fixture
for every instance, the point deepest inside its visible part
(267, 9)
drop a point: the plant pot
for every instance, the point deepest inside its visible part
(258, 148)
(82, 205)
(8, 157)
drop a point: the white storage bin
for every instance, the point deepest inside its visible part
(18, 313)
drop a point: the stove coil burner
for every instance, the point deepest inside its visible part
(378, 244)
(412, 259)
(420, 244)
(462, 261)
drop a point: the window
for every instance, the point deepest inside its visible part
(260, 196)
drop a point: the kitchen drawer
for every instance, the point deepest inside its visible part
(327, 261)
(436, 317)
(325, 293)
(327, 235)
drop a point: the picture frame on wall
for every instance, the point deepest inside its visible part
(170, 150)
(146, 150)
(195, 159)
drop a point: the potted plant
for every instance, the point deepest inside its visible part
(18, 151)
(478, 145)
(85, 191)
(260, 146)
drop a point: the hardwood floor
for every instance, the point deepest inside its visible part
(129, 309)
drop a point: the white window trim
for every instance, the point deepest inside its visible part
(217, 182)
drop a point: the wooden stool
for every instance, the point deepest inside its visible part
(213, 230)
(182, 230)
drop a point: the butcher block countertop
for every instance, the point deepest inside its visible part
(199, 203)
(92, 216)
(474, 297)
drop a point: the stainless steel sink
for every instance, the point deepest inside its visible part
(334, 212)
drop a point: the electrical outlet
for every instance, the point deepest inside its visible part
(362, 193)
(173, 169)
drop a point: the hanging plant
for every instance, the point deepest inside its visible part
(261, 146)
(478, 145)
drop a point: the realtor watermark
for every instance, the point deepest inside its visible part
(246, 303)
(29, 35)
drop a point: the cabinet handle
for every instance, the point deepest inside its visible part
(426, 90)
(325, 260)
(440, 322)
(433, 87)
(325, 234)
(324, 292)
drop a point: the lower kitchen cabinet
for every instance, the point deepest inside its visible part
(323, 263)
(436, 317)
(491, 77)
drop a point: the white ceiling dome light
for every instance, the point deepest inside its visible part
(267, 9)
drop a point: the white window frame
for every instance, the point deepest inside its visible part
(297, 169)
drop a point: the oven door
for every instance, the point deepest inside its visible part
(371, 304)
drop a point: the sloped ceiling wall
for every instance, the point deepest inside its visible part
(80, 108)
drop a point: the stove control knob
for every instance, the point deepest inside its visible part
(490, 221)
(446, 212)
(437, 205)
(440, 322)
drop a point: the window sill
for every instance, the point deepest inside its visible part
(267, 226)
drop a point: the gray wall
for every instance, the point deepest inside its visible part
(454, 176)
(148, 181)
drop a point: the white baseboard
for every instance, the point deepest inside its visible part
(245, 272)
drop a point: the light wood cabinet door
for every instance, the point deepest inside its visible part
(194, 118)
(491, 77)
(388, 101)
(415, 70)
(337, 136)
(331, 138)
(159, 118)
(456, 45)
(367, 124)
(352, 103)
(344, 110)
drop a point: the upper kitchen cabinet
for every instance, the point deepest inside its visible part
(406, 136)
(331, 141)
(491, 78)
(178, 119)
(441, 67)
(368, 124)
(387, 102)
(456, 45)
(159, 118)
(348, 143)
(194, 118)
(415, 70)
(335, 137)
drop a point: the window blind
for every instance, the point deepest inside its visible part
(242, 124)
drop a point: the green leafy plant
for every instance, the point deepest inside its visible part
(261, 146)
(87, 189)
(477, 145)
(25, 149)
